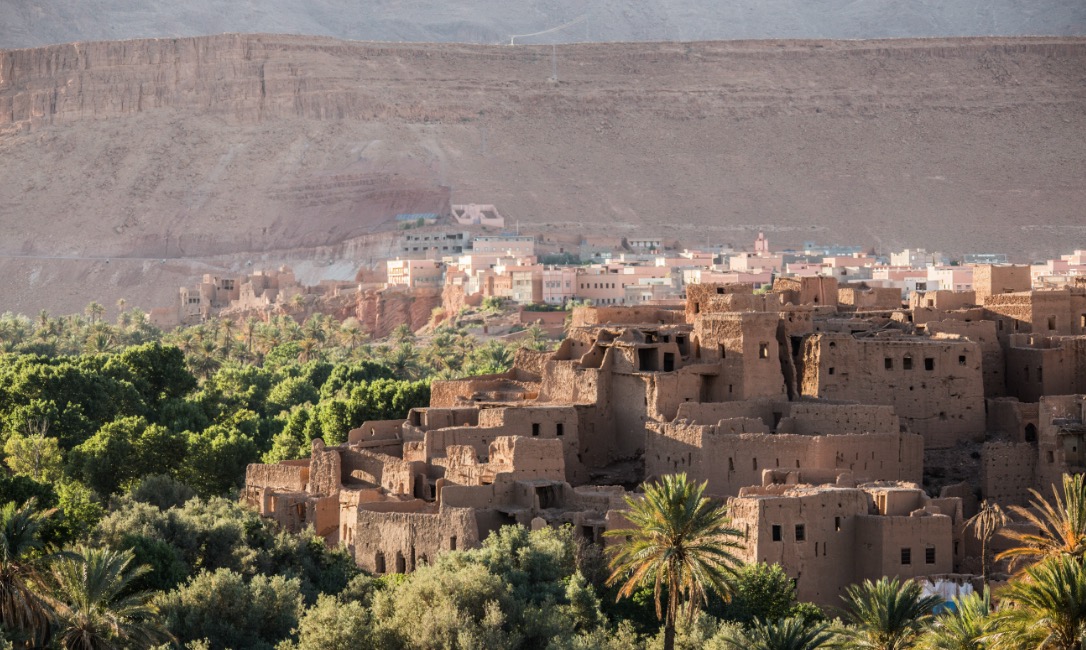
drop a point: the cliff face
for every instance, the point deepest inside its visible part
(237, 149)
(249, 79)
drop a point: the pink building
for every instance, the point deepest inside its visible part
(558, 285)
(416, 274)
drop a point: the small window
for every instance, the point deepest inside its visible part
(906, 556)
(961, 359)
(763, 350)
(1051, 322)
(535, 428)
(559, 429)
(1050, 457)
(452, 543)
(831, 370)
(907, 363)
(1000, 323)
(801, 533)
(731, 464)
(837, 523)
(776, 532)
(833, 344)
(929, 555)
(1040, 374)
(929, 363)
(888, 363)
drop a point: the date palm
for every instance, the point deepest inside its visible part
(96, 609)
(885, 615)
(962, 626)
(784, 634)
(1044, 607)
(1060, 524)
(23, 608)
(985, 524)
(680, 543)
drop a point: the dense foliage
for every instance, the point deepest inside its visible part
(120, 527)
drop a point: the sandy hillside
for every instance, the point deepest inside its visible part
(130, 165)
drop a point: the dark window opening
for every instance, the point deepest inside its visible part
(801, 533)
(535, 428)
(731, 464)
(837, 523)
(907, 363)
(906, 556)
(776, 533)
(559, 429)
(795, 345)
(720, 290)
(1040, 373)
(888, 363)
(452, 543)
(1031, 432)
(401, 563)
(961, 359)
(929, 363)
(929, 555)
(763, 350)
(1051, 322)
(669, 361)
(646, 359)
(831, 370)
(379, 563)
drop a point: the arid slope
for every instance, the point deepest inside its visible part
(220, 151)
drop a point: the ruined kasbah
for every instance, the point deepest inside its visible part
(851, 434)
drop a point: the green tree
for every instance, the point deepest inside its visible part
(763, 591)
(885, 615)
(680, 543)
(1060, 524)
(962, 626)
(332, 624)
(229, 612)
(782, 634)
(23, 606)
(95, 607)
(35, 455)
(1045, 607)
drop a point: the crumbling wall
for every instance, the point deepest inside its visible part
(324, 469)
(400, 542)
(1008, 471)
(983, 332)
(935, 385)
(289, 478)
(989, 279)
(813, 419)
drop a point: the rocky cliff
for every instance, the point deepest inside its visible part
(233, 150)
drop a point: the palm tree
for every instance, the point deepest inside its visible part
(885, 615)
(23, 608)
(403, 361)
(1061, 525)
(96, 608)
(986, 523)
(962, 626)
(403, 334)
(94, 311)
(351, 334)
(784, 634)
(680, 543)
(1045, 607)
(249, 328)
